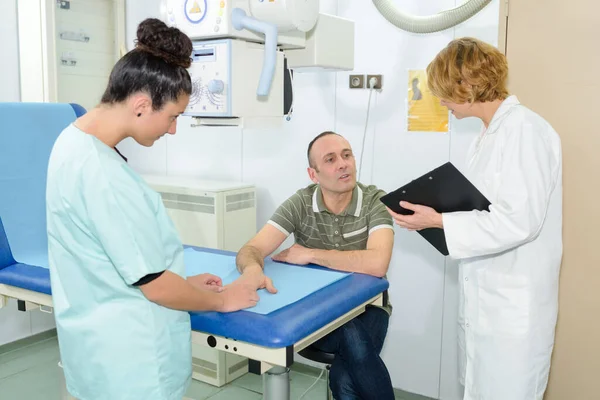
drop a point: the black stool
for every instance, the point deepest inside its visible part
(322, 357)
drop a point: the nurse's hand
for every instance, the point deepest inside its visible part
(206, 282)
(423, 217)
(255, 277)
(238, 296)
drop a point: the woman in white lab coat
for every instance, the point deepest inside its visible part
(510, 256)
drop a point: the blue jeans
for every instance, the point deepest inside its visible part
(358, 373)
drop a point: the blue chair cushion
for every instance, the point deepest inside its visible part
(27, 135)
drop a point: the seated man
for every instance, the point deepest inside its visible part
(340, 224)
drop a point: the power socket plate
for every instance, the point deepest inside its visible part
(379, 83)
(356, 82)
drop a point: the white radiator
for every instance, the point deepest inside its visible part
(217, 215)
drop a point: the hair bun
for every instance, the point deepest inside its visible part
(168, 43)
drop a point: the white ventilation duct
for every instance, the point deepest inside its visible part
(432, 23)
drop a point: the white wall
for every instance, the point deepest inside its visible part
(15, 324)
(421, 346)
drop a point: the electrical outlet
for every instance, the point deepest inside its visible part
(378, 84)
(357, 82)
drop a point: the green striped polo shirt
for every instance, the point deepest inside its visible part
(304, 214)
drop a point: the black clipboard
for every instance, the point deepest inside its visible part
(445, 189)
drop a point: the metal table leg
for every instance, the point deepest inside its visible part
(276, 384)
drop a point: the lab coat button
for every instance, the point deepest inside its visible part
(467, 279)
(337, 245)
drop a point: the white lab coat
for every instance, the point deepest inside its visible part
(509, 257)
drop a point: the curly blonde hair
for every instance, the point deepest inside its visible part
(467, 71)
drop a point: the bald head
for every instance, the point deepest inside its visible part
(311, 161)
(332, 164)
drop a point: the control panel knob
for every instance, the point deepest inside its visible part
(216, 86)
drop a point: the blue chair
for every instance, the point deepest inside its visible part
(27, 135)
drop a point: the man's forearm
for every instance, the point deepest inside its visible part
(363, 261)
(249, 255)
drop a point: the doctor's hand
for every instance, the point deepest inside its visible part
(206, 282)
(254, 276)
(238, 296)
(296, 254)
(423, 217)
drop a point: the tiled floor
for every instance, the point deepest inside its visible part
(31, 372)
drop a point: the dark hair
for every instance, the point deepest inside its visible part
(312, 142)
(157, 66)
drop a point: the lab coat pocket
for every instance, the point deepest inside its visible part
(504, 304)
(491, 185)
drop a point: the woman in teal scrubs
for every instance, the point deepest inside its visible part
(116, 261)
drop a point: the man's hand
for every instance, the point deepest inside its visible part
(206, 282)
(296, 254)
(254, 277)
(423, 217)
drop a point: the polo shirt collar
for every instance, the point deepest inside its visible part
(353, 208)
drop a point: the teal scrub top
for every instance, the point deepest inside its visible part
(106, 230)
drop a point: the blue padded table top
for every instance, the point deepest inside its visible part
(29, 277)
(292, 323)
(278, 329)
